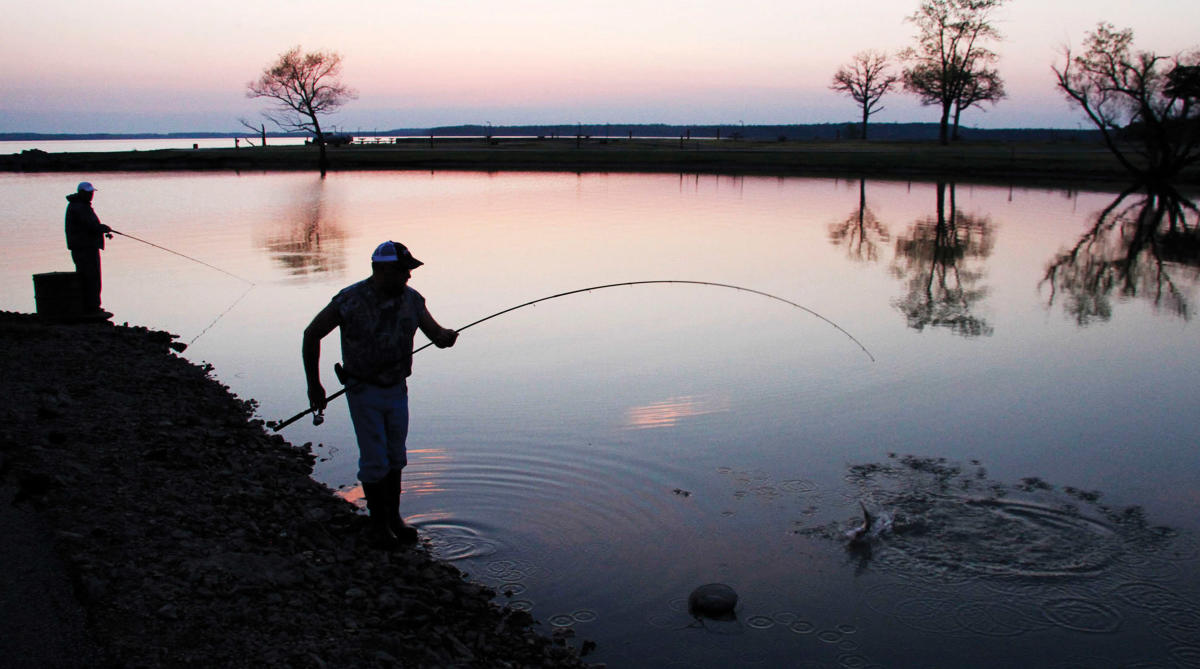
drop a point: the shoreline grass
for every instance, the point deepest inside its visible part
(1035, 163)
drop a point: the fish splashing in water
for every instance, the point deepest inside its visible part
(872, 527)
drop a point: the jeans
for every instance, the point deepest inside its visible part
(87, 268)
(380, 417)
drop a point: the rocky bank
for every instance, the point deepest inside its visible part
(189, 536)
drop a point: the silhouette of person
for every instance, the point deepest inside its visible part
(378, 317)
(85, 239)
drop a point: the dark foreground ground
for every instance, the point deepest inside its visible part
(1029, 162)
(149, 521)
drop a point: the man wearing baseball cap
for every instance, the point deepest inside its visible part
(378, 317)
(85, 239)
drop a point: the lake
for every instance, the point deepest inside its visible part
(1022, 423)
(145, 144)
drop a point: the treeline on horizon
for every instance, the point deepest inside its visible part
(790, 132)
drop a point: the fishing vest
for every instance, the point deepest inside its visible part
(377, 332)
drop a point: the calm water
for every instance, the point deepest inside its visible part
(93, 145)
(1028, 427)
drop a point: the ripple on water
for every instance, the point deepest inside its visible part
(1183, 546)
(999, 619)
(512, 589)
(798, 486)
(1185, 655)
(927, 614)
(666, 621)
(802, 627)
(1083, 615)
(561, 620)
(760, 622)
(785, 617)
(1147, 595)
(584, 615)
(829, 636)
(453, 542)
(1180, 623)
(999, 539)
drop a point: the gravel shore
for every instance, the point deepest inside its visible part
(159, 524)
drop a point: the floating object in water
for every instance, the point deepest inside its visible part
(714, 600)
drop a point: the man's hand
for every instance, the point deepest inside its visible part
(316, 396)
(446, 338)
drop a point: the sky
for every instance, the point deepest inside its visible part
(153, 66)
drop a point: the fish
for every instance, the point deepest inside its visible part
(861, 534)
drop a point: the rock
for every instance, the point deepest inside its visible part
(714, 600)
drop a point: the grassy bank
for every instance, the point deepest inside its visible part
(1028, 162)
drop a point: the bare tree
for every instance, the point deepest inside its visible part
(1150, 99)
(867, 78)
(985, 86)
(304, 87)
(950, 52)
(260, 129)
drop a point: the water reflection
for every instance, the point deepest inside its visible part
(309, 240)
(1141, 245)
(934, 258)
(669, 412)
(861, 232)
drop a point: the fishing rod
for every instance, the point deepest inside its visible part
(318, 418)
(139, 239)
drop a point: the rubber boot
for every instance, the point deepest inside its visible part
(396, 524)
(378, 499)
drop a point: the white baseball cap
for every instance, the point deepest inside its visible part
(395, 252)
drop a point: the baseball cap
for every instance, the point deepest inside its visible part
(395, 252)
(85, 187)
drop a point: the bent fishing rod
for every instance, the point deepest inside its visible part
(317, 419)
(139, 239)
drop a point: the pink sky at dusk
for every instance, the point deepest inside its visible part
(129, 65)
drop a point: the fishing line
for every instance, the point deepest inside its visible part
(222, 314)
(279, 425)
(661, 281)
(139, 239)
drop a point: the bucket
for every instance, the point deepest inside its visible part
(58, 295)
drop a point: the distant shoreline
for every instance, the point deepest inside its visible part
(768, 132)
(1033, 163)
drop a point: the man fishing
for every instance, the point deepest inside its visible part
(378, 317)
(85, 239)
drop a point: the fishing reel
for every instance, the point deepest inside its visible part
(340, 373)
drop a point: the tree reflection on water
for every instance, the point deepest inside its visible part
(1145, 244)
(311, 241)
(861, 231)
(935, 258)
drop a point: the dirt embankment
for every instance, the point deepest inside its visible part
(1067, 164)
(191, 537)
